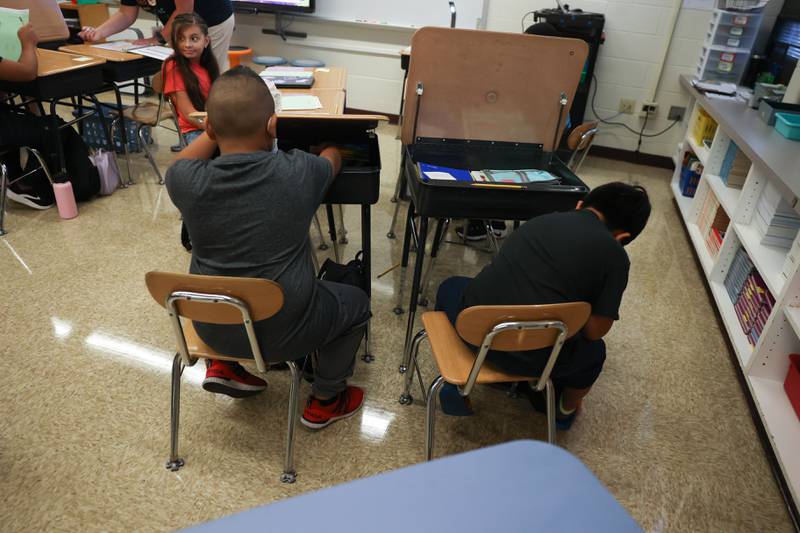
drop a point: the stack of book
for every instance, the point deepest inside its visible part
(751, 298)
(735, 167)
(691, 170)
(775, 220)
(713, 223)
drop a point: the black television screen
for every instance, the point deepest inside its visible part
(274, 6)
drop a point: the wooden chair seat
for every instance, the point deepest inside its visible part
(455, 358)
(146, 113)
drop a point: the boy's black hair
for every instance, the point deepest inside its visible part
(239, 104)
(625, 207)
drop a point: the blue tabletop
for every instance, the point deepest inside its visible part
(517, 486)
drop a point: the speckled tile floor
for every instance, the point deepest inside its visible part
(85, 402)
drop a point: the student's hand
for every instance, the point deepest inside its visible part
(317, 149)
(27, 36)
(152, 41)
(90, 34)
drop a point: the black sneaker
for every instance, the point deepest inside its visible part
(476, 231)
(30, 199)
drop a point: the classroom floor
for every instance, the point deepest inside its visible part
(85, 404)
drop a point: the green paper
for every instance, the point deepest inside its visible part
(11, 20)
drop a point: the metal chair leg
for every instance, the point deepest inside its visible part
(322, 245)
(551, 412)
(342, 228)
(140, 133)
(396, 199)
(430, 415)
(122, 183)
(3, 181)
(407, 369)
(289, 474)
(175, 463)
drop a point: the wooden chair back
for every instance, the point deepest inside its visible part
(264, 298)
(474, 323)
(576, 139)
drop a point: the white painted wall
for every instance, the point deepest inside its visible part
(636, 32)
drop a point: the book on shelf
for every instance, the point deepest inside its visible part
(754, 306)
(735, 167)
(792, 260)
(691, 170)
(775, 220)
(740, 269)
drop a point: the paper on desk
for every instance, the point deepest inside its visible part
(116, 46)
(298, 102)
(285, 73)
(440, 176)
(11, 20)
(156, 52)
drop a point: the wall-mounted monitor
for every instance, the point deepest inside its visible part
(275, 6)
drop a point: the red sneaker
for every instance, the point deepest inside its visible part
(226, 377)
(347, 403)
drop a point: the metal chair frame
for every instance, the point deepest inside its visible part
(581, 150)
(183, 358)
(543, 382)
(4, 183)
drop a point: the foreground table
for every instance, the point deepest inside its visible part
(516, 486)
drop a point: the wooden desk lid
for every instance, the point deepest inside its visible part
(91, 51)
(491, 86)
(45, 17)
(52, 62)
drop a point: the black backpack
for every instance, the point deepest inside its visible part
(81, 172)
(350, 274)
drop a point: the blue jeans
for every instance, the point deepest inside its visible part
(190, 136)
(578, 366)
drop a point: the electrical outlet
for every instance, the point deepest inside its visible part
(627, 105)
(676, 113)
(649, 108)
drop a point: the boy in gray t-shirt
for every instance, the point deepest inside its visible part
(248, 213)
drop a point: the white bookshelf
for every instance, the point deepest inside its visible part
(777, 161)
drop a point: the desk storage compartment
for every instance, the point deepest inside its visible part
(768, 108)
(466, 200)
(359, 180)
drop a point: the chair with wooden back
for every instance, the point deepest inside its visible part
(579, 141)
(219, 300)
(151, 114)
(504, 328)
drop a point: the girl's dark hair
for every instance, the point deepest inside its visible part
(183, 65)
(625, 207)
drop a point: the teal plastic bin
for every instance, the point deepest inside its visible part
(788, 125)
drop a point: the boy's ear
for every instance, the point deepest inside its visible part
(210, 131)
(272, 126)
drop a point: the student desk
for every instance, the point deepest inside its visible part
(119, 67)
(517, 486)
(62, 76)
(332, 101)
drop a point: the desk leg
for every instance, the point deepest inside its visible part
(398, 309)
(332, 231)
(103, 123)
(438, 235)
(402, 103)
(412, 304)
(61, 175)
(398, 189)
(366, 246)
(123, 133)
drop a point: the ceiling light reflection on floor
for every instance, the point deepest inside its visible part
(61, 328)
(375, 423)
(140, 353)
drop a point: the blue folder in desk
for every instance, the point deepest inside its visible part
(522, 176)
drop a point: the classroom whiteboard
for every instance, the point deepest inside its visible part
(404, 13)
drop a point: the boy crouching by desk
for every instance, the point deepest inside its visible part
(248, 213)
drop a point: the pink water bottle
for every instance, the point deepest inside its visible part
(65, 200)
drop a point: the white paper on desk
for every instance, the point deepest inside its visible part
(156, 52)
(441, 176)
(714, 96)
(299, 102)
(285, 73)
(116, 46)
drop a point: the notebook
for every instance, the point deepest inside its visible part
(11, 20)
